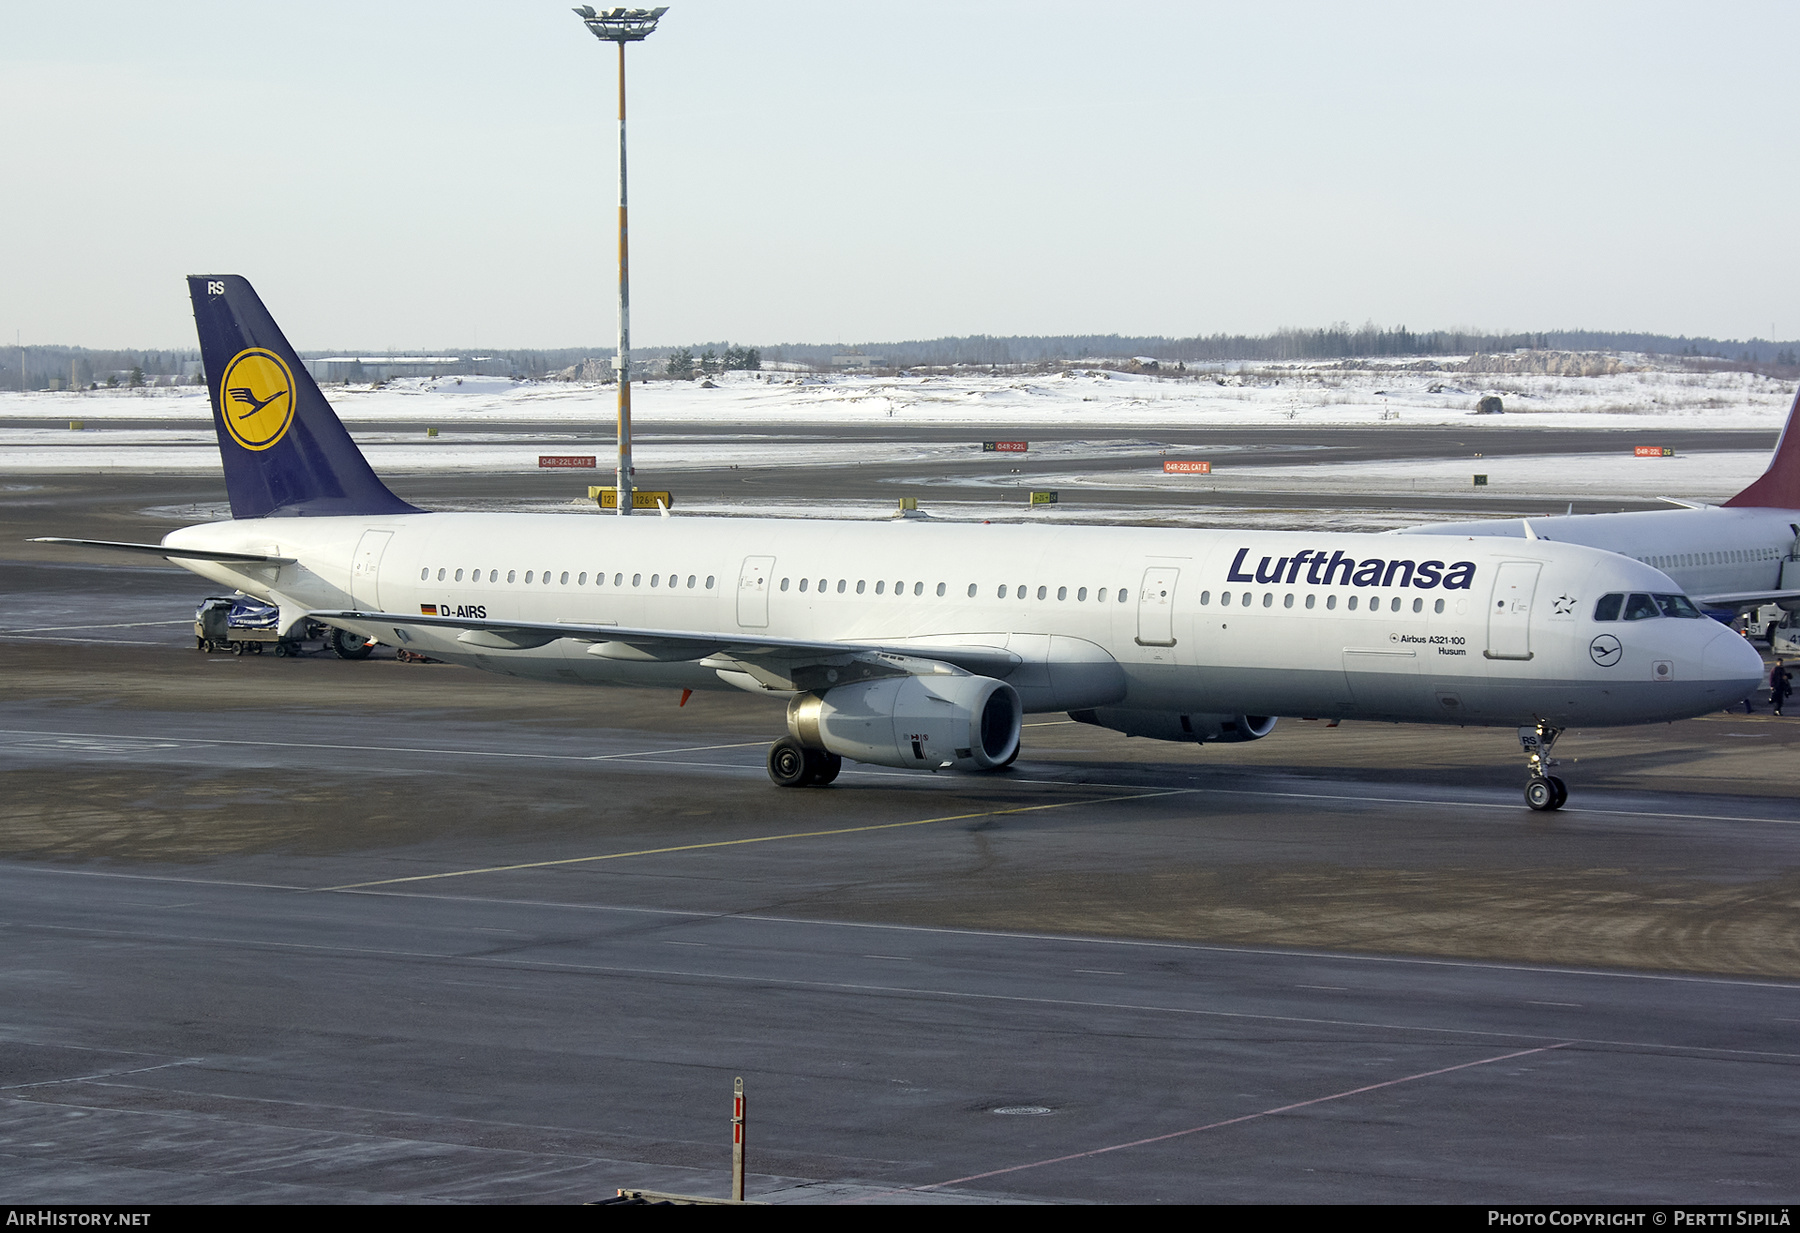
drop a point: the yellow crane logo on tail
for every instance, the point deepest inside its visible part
(256, 398)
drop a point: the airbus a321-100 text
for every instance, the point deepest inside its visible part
(918, 644)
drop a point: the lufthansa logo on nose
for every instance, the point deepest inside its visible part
(1605, 650)
(256, 398)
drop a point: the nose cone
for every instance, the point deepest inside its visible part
(1731, 661)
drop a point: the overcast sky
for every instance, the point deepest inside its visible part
(442, 175)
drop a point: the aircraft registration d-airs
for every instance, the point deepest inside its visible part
(916, 644)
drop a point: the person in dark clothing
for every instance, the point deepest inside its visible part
(1780, 685)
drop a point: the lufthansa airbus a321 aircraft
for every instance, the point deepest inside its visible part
(916, 644)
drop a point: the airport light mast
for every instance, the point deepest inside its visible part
(622, 26)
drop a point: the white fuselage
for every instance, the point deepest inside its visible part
(1460, 630)
(1711, 550)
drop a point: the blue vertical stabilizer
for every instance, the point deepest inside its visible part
(284, 448)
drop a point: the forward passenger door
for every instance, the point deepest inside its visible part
(1509, 610)
(753, 592)
(1156, 606)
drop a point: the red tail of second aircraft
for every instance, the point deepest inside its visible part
(1779, 486)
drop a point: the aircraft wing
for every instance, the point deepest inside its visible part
(775, 663)
(1744, 599)
(170, 551)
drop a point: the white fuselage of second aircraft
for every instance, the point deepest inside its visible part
(1711, 552)
(1465, 630)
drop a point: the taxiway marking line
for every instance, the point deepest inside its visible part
(1248, 1117)
(873, 771)
(201, 742)
(66, 638)
(100, 1075)
(733, 843)
(40, 629)
(513, 963)
(1146, 944)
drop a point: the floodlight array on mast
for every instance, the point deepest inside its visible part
(620, 25)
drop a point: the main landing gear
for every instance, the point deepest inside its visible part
(1543, 791)
(793, 765)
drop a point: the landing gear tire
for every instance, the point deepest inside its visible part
(829, 766)
(346, 645)
(1545, 793)
(790, 765)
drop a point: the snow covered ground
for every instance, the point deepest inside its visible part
(478, 421)
(1704, 477)
(1298, 394)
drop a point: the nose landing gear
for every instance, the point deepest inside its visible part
(1543, 791)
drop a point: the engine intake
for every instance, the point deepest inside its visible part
(1172, 726)
(913, 722)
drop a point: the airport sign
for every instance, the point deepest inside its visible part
(573, 462)
(1171, 467)
(1654, 451)
(1005, 447)
(641, 498)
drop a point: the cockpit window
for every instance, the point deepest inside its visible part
(1639, 607)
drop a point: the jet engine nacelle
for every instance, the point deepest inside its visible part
(914, 722)
(1169, 726)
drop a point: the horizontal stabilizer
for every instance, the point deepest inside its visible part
(170, 551)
